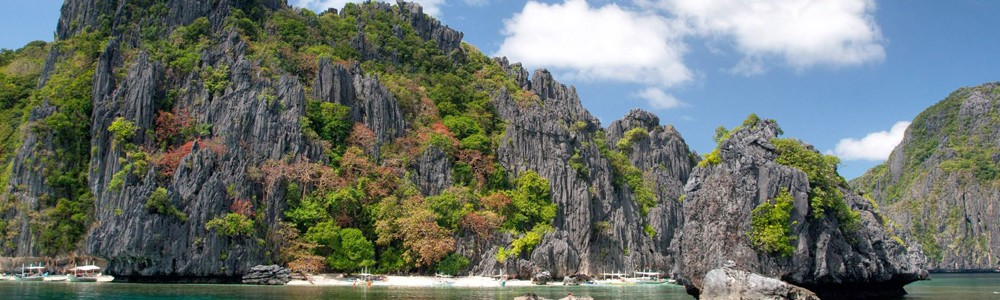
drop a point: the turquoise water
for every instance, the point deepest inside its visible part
(971, 286)
(943, 287)
(66, 290)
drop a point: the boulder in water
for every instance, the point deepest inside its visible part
(727, 283)
(268, 275)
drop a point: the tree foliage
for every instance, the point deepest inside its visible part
(159, 203)
(231, 225)
(531, 203)
(122, 130)
(770, 225)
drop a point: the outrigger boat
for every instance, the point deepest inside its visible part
(651, 278)
(86, 273)
(32, 273)
(615, 279)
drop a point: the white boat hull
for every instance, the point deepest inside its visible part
(31, 278)
(82, 278)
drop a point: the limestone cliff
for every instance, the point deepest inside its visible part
(825, 256)
(939, 185)
(190, 141)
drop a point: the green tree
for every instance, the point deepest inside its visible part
(452, 264)
(356, 251)
(330, 121)
(531, 202)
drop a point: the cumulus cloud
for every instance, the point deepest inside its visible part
(804, 33)
(659, 99)
(431, 7)
(597, 43)
(875, 146)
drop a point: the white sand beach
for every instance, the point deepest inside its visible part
(412, 281)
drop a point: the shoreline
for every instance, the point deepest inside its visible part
(411, 281)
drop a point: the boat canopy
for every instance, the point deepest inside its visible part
(86, 268)
(649, 273)
(34, 268)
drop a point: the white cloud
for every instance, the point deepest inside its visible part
(598, 43)
(875, 146)
(805, 33)
(659, 99)
(431, 7)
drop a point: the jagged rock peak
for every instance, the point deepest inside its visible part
(430, 28)
(79, 15)
(515, 70)
(425, 26)
(752, 141)
(645, 118)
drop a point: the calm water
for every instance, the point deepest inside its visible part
(943, 286)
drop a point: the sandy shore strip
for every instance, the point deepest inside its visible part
(412, 281)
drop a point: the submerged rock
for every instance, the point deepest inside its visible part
(529, 296)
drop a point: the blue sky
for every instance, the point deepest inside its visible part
(846, 72)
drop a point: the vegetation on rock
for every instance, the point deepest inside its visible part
(770, 225)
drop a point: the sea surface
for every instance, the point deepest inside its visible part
(972, 286)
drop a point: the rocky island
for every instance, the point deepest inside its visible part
(190, 141)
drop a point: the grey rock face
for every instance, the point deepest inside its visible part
(949, 213)
(731, 284)
(268, 275)
(542, 278)
(251, 129)
(598, 226)
(370, 102)
(27, 183)
(666, 158)
(717, 212)
(432, 171)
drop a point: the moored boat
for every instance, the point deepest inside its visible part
(31, 273)
(615, 279)
(651, 278)
(88, 273)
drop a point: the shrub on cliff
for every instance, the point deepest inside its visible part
(159, 203)
(770, 225)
